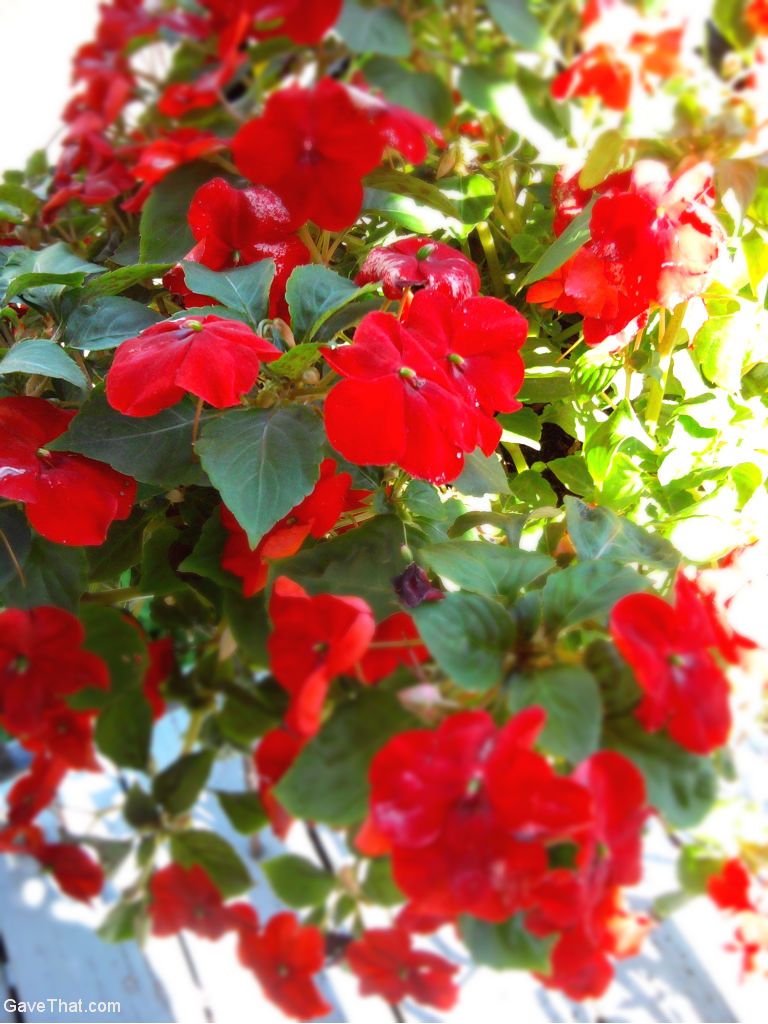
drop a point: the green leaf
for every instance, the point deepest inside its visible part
(140, 810)
(298, 882)
(515, 20)
(43, 274)
(483, 568)
(313, 295)
(124, 922)
(468, 636)
(17, 203)
(570, 696)
(474, 196)
(38, 355)
(571, 471)
(505, 947)
(105, 322)
(244, 718)
(482, 474)
(165, 236)
(124, 729)
(216, 856)
(599, 533)
(575, 235)
(373, 30)
(178, 786)
(409, 185)
(53, 574)
(242, 289)
(681, 786)
(151, 449)
(329, 780)
(16, 538)
(379, 886)
(587, 591)
(296, 361)
(245, 811)
(120, 280)
(263, 462)
(696, 865)
(362, 562)
(119, 643)
(602, 159)
(421, 91)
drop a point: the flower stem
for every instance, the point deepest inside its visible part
(668, 334)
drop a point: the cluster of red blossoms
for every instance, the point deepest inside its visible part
(554, 849)
(622, 51)
(421, 390)
(42, 663)
(653, 243)
(285, 955)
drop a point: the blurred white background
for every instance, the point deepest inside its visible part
(39, 38)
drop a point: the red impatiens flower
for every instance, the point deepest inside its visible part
(398, 404)
(68, 736)
(35, 790)
(399, 128)
(312, 147)
(77, 874)
(276, 752)
(69, 498)
(314, 516)
(186, 898)
(729, 888)
(214, 359)
(478, 343)
(161, 156)
(314, 640)
(654, 241)
(420, 263)
(400, 645)
(161, 664)
(431, 790)
(235, 227)
(668, 647)
(387, 965)
(41, 662)
(601, 71)
(284, 958)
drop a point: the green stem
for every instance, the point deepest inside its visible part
(517, 456)
(492, 257)
(196, 720)
(668, 335)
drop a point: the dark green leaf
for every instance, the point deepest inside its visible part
(296, 361)
(53, 574)
(15, 543)
(468, 636)
(263, 462)
(362, 562)
(151, 449)
(106, 322)
(329, 780)
(420, 91)
(178, 786)
(119, 643)
(408, 185)
(216, 856)
(124, 729)
(242, 289)
(570, 696)
(165, 236)
(587, 591)
(483, 568)
(38, 355)
(120, 280)
(681, 786)
(245, 811)
(314, 294)
(298, 882)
